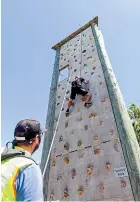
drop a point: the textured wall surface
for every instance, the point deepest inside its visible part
(87, 161)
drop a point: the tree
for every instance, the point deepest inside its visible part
(134, 113)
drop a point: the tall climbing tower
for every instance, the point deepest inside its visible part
(93, 154)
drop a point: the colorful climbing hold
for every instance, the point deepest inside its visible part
(53, 163)
(96, 151)
(94, 68)
(100, 123)
(66, 160)
(101, 187)
(92, 115)
(100, 83)
(96, 137)
(107, 166)
(89, 57)
(123, 183)
(66, 194)
(104, 99)
(81, 190)
(89, 170)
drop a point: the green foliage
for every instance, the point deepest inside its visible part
(134, 113)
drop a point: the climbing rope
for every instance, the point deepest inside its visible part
(57, 125)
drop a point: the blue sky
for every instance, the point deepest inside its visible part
(31, 27)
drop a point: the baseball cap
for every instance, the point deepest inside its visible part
(27, 129)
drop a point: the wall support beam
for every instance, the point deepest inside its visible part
(50, 119)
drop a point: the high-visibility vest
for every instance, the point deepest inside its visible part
(9, 171)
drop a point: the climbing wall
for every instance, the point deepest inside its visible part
(87, 161)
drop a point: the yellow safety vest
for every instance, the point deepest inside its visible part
(9, 171)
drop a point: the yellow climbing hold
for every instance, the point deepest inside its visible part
(92, 115)
(66, 160)
(89, 57)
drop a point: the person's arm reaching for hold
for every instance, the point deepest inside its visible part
(29, 184)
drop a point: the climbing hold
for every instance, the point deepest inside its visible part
(54, 150)
(93, 50)
(67, 92)
(94, 68)
(66, 124)
(51, 194)
(66, 194)
(58, 103)
(62, 109)
(79, 143)
(104, 99)
(72, 132)
(85, 65)
(107, 166)
(58, 97)
(92, 73)
(74, 56)
(73, 173)
(53, 163)
(100, 83)
(60, 139)
(66, 160)
(86, 127)
(64, 59)
(95, 94)
(80, 63)
(99, 76)
(101, 188)
(116, 147)
(100, 123)
(66, 146)
(83, 51)
(76, 60)
(62, 88)
(85, 72)
(75, 70)
(59, 177)
(123, 183)
(67, 99)
(89, 57)
(81, 190)
(96, 151)
(92, 115)
(78, 119)
(94, 60)
(96, 137)
(111, 132)
(59, 85)
(89, 169)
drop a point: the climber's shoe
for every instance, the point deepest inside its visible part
(67, 113)
(88, 104)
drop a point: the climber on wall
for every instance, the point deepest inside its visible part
(77, 89)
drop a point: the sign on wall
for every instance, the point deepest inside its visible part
(121, 172)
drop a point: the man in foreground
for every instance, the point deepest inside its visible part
(21, 178)
(77, 89)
